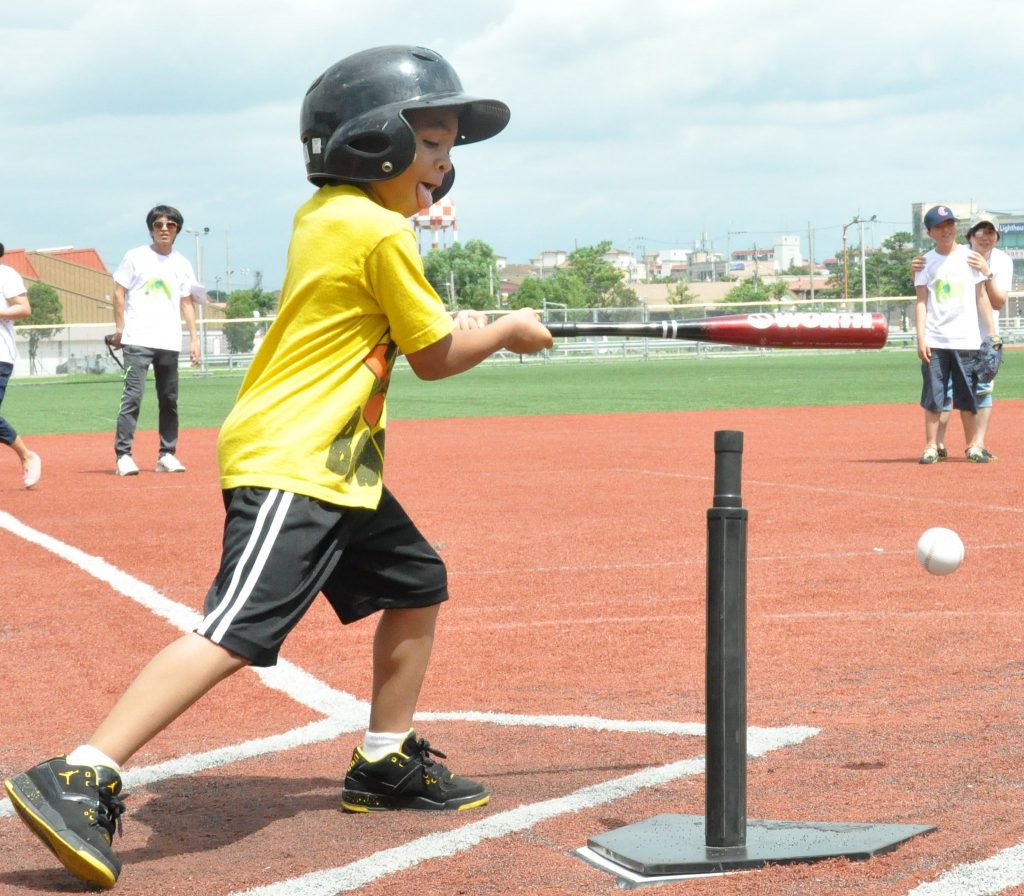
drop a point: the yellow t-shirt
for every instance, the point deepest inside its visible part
(311, 413)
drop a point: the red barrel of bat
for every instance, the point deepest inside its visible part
(799, 329)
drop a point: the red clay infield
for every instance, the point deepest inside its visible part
(576, 551)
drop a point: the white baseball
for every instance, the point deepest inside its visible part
(940, 551)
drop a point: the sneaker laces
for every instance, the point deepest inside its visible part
(109, 813)
(423, 749)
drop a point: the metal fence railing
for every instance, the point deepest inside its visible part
(79, 348)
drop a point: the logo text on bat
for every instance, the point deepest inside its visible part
(812, 320)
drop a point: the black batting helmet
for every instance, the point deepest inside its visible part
(352, 125)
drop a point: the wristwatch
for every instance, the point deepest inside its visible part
(991, 276)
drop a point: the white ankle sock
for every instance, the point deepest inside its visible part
(88, 755)
(377, 744)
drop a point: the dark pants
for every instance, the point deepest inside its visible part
(7, 433)
(137, 361)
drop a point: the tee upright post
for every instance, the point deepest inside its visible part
(726, 661)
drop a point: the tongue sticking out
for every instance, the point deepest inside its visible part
(424, 196)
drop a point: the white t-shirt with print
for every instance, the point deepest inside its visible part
(1001, 266)
(155, 284)
(11, 285)
(952, 319)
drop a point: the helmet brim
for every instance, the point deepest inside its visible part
(479, 119)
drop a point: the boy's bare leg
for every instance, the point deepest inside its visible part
(168, 685)
(940, 433)
(21, 449)
(970, 422)
(931, 428)
(401, 652)
(980, 427)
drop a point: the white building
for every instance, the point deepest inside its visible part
(787, 254)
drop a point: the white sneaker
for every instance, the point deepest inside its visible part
(126, 466)
(168, 463)
(33, 470)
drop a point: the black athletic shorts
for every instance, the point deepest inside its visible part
(281, 550)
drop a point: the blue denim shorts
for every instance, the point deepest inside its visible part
(950, 370)
(982, 392)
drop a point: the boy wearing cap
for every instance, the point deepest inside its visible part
(951, 301)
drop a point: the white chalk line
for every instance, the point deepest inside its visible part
(345, 713)
(992, 875)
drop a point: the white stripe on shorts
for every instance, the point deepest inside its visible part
(262, 536)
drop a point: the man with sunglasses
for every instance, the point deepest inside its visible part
(152, 287)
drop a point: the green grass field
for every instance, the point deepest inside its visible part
(776, 379)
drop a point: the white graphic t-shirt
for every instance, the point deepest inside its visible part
(155, 285)
(11, 285)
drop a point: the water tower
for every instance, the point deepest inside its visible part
(439, 219)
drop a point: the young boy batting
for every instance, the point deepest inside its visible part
(301, 457)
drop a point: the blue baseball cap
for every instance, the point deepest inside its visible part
(936, 215)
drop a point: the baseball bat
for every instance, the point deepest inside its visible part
(776, 329)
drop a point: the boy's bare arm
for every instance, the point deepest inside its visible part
(520, 332)
(17, 308)
(996, 296)
(120, 294)
(985, 309)
(920, 318)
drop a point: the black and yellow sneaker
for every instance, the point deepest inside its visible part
(409, 779)
(977, 456)
(74, 810)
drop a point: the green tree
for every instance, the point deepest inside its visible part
(756, 290)
(246, 303)
(46, 309)
(594, 282)
(532, 293)
(680, 294)
(888, 271)
(587, 280)
(471, 268)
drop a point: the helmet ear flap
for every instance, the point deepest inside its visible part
(369, 149)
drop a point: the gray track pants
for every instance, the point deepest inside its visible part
(137, 361)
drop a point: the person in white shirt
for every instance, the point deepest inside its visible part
(152, 294)
(997, 268)
(952, 307)
(14, 306)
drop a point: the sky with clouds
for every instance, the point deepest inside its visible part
(644, 122)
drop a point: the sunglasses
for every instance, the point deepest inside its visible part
(164, 225)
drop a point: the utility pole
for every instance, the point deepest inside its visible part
(227, 261)
(810, 245)
(202, 318)
(863, 266)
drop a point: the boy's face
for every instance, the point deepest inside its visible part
(436, 131)
(983, 240)
(944, 235)
(164, 232)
